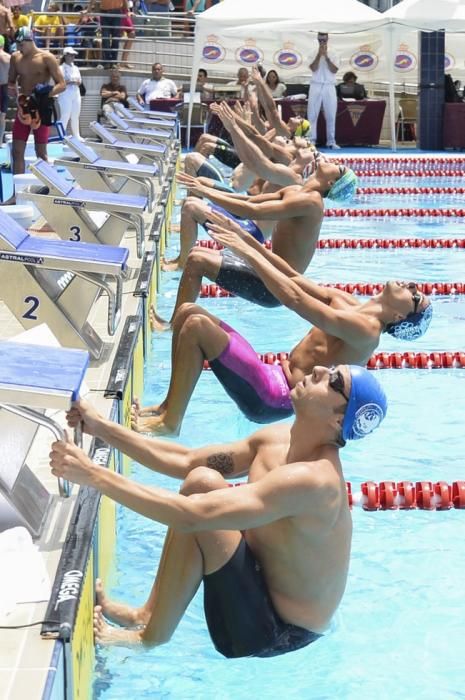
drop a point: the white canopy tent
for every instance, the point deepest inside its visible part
(429, 15)
(281, 34)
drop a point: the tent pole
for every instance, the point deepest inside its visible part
(392, 96)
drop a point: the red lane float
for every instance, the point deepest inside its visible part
(403, 190)
(388, 360)
(417, 213)
(362, 288)
(406, 495)
(367, 243)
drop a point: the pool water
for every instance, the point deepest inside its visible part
(398, 632)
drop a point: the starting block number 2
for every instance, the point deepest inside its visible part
(34, 303)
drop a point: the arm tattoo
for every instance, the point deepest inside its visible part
(221, 461)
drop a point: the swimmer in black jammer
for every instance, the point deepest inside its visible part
(273, 554)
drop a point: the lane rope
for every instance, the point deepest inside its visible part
(361, 288)
(356, 243)
(437, 359)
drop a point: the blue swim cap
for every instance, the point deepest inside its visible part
(343, 190)
(367, 404)
(412, 326)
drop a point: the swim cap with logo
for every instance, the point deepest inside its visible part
(343, 190)
(412, 326)
(367, 404)
(24, 34)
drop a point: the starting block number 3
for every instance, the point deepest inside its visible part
(76, 233)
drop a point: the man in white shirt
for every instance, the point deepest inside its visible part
(157, 87)
(323, 90)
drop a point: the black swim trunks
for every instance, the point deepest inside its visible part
(226, 155)
(239, 278)
(240, 615)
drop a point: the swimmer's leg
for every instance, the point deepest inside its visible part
(197, 336)
(194, 211)
(201, 262)
(185, 559)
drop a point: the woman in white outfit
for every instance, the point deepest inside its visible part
(69, 101)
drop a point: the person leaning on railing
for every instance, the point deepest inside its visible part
(49, 29)
(110, 20)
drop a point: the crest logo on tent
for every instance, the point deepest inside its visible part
(364, 59)
(249, 54)
(212, 51)
(355, 112)
(287, 57)
(449, 61)
(405, 60)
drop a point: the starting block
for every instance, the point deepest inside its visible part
(68, 210)
(110, 175)
(32, 378)
(158, 153)
(58, 283)
(145, 122)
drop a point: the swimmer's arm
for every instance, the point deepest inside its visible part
(170, 458)
(269, 105)
(12, 77)
(287, 491)
(272, 209)
(56, 74)
(255, 159)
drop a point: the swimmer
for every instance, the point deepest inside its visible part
(30, 73)
(344, 331)
(298, 210)
(274, 553)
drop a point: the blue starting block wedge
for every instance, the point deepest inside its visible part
(39, 376)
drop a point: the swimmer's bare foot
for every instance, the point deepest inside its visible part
(175, 228)
(154, 424)
(157, 323)
(120, 613)
(105, 634)
(171, 265)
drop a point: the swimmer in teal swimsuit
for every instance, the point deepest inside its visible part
(273, 554)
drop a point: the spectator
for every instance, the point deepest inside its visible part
(69, 101)
(88, 29)
(113, 92)
(110, 26)
(278, 89)
(49, 29)
(205, 89)
(4, 68)
(7, 29)
(349, 88)
(191, 8)
(19, 20)
(161, 25)
(243, 82)
(129, 33)
(157, 87)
